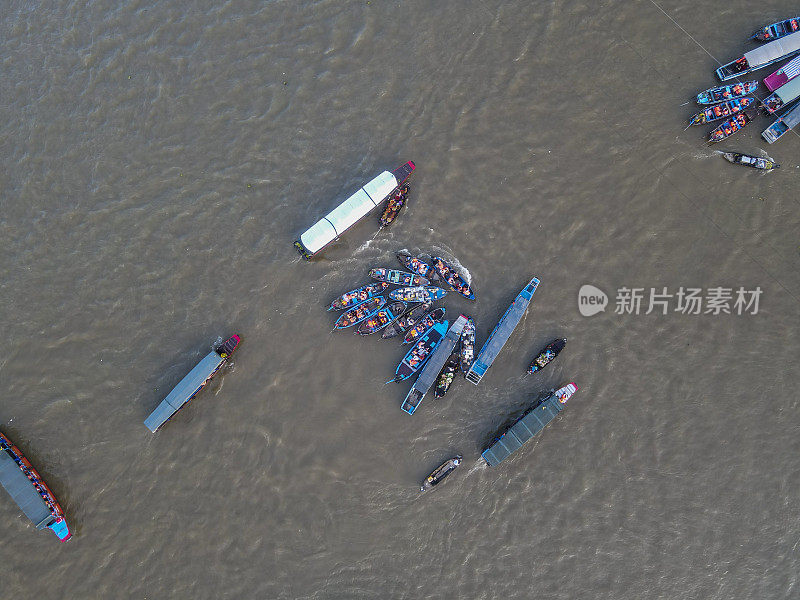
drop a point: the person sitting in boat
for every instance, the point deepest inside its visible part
(737, 89)
(741, 119)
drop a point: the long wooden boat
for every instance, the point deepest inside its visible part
(431, 370)
(466, 352)
(725, 93)
(761, 57)
(406, 320)
(783, 96)
(777, 30)
(394, 203)
(731, 126)
(722, 110)
(440, 473)
(446, 376)
(530, 424)
(782, 125)
(27, 488)
(418, 294)
(414, 360)
(351, 211)
(502, 331)
(425, 323)
(378, 320)
(416, 265)
(190, 385)
(359, 312)
(396, 277)
(748, 160)
(350, 299)
(783, 75)
(453, 278)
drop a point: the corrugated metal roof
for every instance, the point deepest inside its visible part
(22, 491)
(773, 50)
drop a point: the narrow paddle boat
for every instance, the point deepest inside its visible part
(378, 320)
(547, 354)
(731, 126)
(756, 162)
(425, 323)
(467, 350)
(394, 203)
(418, 294)
(722, 110)
(350, 299)
(415, 359)
(358, 313)
(416, 265)
(396, 277)
(440, 473)
(445, 378)
(453, 278)
(406, 320)
(727, 92)
(777, 30)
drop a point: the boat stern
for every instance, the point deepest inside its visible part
(61, 529)
(228, 346)
(403, 172)
(565, 393)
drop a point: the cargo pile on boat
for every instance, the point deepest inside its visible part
(736, 107)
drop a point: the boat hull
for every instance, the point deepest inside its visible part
(358, 313)
(418, 294)
(416, 265)
(546, 356)
(416, 358)
(747, 160)
(445, 378)
(394, 204)
(406, 320)
(440, 473)
(721, 110)
(425, 323)
(726, 93)
(380, 319)
(396, 277)
(466, 350)
(449, 275)
(357, 296)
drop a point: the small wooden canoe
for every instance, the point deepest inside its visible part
(453, 278)
(731, 126)
(358, 313)
(428, 321)
(445, 378)
(724, 93)
(394, 203)
(547, 354)
(350, 299)
(378, 320)
(467, 349)
(777, 30)
(440, 473)
(418, 294)
(406, 320)
(722, 110)
(396, 277)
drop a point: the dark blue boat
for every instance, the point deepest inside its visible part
(531, 423)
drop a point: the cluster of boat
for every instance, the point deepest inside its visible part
(735, 106)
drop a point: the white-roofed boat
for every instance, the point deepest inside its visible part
(351, 211)
(782, 125)
(761, 57)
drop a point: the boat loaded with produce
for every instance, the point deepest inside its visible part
(747, 160)
(351, 211)
(190, 385)
(27, 488)
(547, 354)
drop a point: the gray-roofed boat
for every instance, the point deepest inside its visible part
(502, 331)
(195, 381)
(430, 372)
(783, 124)
(530, 424)
(27, 488)
(761, 57)
(783, 96)
(351, 211)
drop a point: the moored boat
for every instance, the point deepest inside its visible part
(467, 348)
(440, 473)
(783, 75)
(529, 425)
(782, 125)
(359, 312)
(416, 265)
(730, 126)
(380, 319)
(446, 376)
(418, 294)
(425, 323)
(453, 278)
(415, 359)
(351, 211)
(406, 320)
(547, 354)
(350, 299)
(782, 97)
(761, 57)
(756, 162)
(398, 277)
(394, 203)
(27, 488)
(725, 93)
(722, 110)
(777, 30)
(190, 385)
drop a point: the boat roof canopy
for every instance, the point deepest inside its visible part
(22, 491)
(773, 50)
(348, 213)
(184, 391)
(789, 91)
(792, 118)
